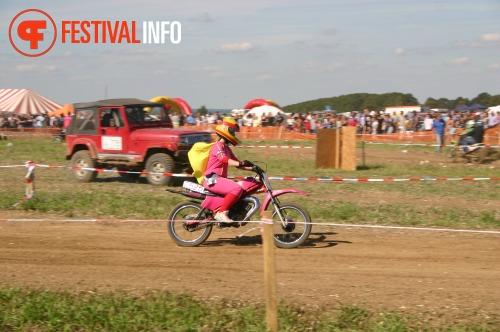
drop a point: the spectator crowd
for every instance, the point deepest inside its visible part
(367, 122)
(376, 122)
(31, 121)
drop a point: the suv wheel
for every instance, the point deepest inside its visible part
(159, 163)
(83, 159)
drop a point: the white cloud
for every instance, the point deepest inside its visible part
(365, 64)
(49, 68)
(330, 32)
(459, 44)
(484, 41)
(399, 51)
(494, 66)
(25, 68)
(264, 77)
(490, 37)
(327, 46)
(237, 47)
(203, 18)
(212, 71)
(316, 67)
(159, 72)
(204, 69)
(458, 61)
(427, 50)
(80, 78)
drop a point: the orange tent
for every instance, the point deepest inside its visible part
(65, 110)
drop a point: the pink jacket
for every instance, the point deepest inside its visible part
(217, 162)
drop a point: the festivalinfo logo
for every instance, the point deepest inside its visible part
(33, 32)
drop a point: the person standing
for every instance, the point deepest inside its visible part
(414, 121)
(66, 121)
(439, 126)
(39, 121)
(375, 125)
(493, 120)
(428, 122)
(175, 119)
(450, 125)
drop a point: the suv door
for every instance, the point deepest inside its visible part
(113, 133)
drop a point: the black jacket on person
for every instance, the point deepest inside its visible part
(477, 133)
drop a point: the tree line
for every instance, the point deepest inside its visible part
(359, 101)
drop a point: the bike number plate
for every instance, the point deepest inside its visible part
(193, 187)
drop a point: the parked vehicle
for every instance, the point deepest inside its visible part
(131, 135)
(190, 224)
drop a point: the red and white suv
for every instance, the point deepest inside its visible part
(130, 135)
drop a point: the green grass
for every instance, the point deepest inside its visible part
(40, 310)
(58, 193)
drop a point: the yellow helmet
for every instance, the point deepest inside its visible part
(227, 130)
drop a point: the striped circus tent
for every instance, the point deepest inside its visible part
(24, 101)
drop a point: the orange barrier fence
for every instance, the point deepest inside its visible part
(491, 137)
(27, 132)
(265, 133)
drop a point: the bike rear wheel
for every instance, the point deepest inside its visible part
(482, 153)
(294, 230)
(185, 228)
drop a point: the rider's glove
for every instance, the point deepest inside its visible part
(245, 163)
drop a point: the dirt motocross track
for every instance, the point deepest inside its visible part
(439, 276)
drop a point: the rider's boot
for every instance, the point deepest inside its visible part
(223, 216)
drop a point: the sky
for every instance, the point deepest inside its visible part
(288, 51)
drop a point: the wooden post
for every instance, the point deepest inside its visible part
(363, 152)
(337, 148)
(269, 272)
(30, 179)
(328, 148)
(30, 183)
(348, 148)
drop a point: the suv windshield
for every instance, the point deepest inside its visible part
(146, 114)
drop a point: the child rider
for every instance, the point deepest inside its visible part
(221, 157)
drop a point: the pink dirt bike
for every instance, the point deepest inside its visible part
(191, 222)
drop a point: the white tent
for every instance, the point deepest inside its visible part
(24, 101)
(260, 110)
(493, 109)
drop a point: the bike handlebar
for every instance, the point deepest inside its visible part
(257, 169)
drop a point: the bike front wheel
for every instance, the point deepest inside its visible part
(186, 227)
(451, 152)
(294, 230)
